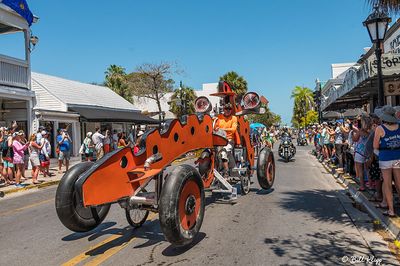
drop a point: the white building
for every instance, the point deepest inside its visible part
(80, 107)
(16, 97)
(150, 106)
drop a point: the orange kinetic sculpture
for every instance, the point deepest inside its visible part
(87, 190)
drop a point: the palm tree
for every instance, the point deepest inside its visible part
(390, 5)
(115, 79)
(237, 83)
(303, 102)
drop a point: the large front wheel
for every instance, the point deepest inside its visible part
(266, 169)
(69, 206)
(182, 205)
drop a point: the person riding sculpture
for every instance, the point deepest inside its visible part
(228, 124)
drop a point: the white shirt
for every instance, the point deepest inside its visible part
(98, 139)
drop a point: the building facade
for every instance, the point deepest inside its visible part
(16, 97)
(79, 108)
(149, 106)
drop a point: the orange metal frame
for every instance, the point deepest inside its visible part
(120, 173)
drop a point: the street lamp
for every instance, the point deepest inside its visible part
(377, 23)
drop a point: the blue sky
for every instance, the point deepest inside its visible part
(275, 45)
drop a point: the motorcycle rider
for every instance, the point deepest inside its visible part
(228, 123)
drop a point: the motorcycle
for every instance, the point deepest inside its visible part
(286, 148)
(302, 140)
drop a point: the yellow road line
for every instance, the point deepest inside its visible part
(25, 207)
(108, 253)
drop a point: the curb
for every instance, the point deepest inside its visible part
(362, 199)
(29, 187)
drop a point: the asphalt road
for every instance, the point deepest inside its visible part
(301, 222)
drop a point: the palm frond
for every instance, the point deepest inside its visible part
(392, 6)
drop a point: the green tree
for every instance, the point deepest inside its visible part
(115, 79)
(237, 83)
(311, 117)
(152, 81)
(303, 102)
(186, 96)
(268, 118)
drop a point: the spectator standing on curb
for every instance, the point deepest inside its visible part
(340, 145)
(8, 170)
(107, 142)
(44, 155)
(387, 141)
(88, 147)
(64, 143)
(136, 148)
(2, 136)
(115, 140)
(121, 140)
(372, 164)
(34, 150)
(98, 140)
(360, 137)
(18, 157)
(326, 134)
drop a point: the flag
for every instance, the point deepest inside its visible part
(21, 7)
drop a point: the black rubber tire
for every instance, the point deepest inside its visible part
(75, 217)
(169, 206)
(136, 224)
(265, 156)
(245, 184)
(205, 163)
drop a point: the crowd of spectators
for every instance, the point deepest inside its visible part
(368, 148)
(97, 144)
(18, 151)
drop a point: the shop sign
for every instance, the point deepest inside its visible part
(392, 88)
(392, 44)
(390, 64)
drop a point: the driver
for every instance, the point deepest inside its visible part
(228, 123)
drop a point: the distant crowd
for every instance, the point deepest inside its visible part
(366, 147)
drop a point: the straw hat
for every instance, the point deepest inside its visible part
(387, 114)
(140, 133)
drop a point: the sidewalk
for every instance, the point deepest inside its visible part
(362, 199)
(45, 181)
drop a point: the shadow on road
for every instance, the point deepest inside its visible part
(100, 228)
(172, 251)
(322, 205)
(284, 161)
(321, 248)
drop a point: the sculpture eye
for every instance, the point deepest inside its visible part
(251, 100)
(202, 105)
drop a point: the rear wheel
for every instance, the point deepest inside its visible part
(266, 169)
(69, 206)
(182, 205)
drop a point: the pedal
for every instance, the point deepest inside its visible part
(239, 169)
(234, 194)
(222, 191)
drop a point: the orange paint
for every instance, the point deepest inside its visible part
(120, 173)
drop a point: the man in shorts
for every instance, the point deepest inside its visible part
(64, 143)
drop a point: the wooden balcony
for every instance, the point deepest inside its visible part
(14, 72)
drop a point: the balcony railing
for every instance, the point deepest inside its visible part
(14, 72)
